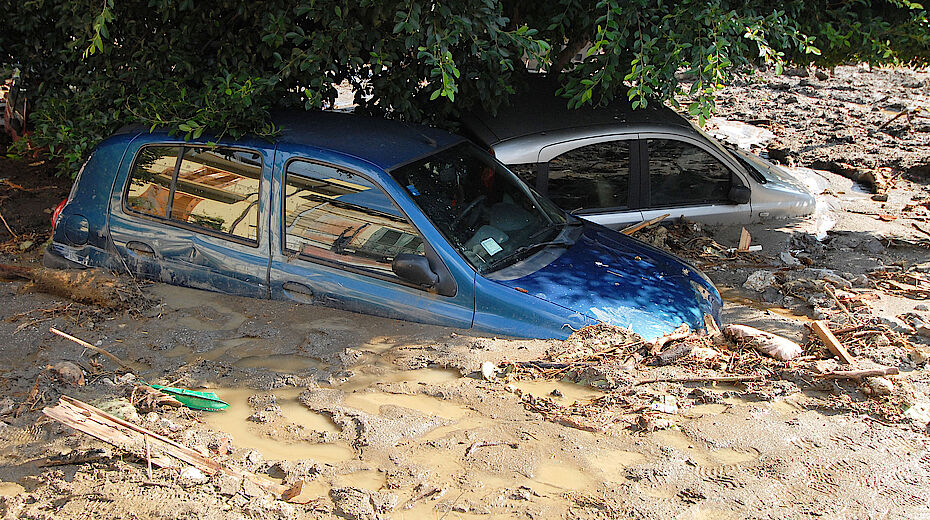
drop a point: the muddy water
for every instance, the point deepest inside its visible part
(246, 434)
(730, 295)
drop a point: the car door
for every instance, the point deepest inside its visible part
(594, 178)
(685, 178)
(195, 215)
(337, 233)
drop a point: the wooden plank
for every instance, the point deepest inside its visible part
(629, 230)
(822, 330)
(130, 437)
(744, 240)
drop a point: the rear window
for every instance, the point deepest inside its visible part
(212, 189)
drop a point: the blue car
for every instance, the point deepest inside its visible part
(372, 216)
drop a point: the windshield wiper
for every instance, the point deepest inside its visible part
(525, 251)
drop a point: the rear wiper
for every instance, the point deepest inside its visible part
(525, 251)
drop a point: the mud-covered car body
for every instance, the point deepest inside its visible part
(615, 165)
(371, 216)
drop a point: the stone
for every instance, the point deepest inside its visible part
(872, 245)
(821, 75)
(788, 260)
(6, 406)
(192, 475)
(759, 281)
(923, 330)
(921, 307)
(919, 355)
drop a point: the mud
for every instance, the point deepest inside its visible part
(389, 419)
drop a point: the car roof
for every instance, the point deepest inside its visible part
(385, 143)
(537, 109)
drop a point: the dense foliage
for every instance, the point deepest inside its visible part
(91, 66)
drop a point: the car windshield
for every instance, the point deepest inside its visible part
(482, 209)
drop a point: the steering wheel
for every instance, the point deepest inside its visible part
(468, 209)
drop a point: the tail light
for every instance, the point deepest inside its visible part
(57, 213)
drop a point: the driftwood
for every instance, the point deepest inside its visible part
(142, 442)
(765, 342)
(822, 330)
(90, 286)
(859, 374)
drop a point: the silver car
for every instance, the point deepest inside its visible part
(614, 165)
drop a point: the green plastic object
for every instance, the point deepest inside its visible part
(207, 401)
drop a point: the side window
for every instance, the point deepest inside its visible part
(681, 173)
(213, 188)
(338, 216)
(218, 189)
(595, 176)
(150, 180)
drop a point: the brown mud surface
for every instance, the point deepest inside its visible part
(388, 419)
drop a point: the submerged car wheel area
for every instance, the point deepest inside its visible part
(370, 216)
(615, 165)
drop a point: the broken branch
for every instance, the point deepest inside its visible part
(87, 345)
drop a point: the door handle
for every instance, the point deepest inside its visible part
(298, 292)
(140, 248)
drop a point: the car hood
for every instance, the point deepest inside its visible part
(613, 278)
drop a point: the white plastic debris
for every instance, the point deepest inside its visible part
(765, 342)
(789, 260)
(665, 404)
(488, 370)
(760, 281)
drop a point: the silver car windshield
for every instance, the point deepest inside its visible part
(489, 215)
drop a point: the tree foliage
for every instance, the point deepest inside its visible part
(91, 66)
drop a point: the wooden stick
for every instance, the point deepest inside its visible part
(840, 304)
(98, 350)
(745, 240)
(148, 458)
(859, 374)
(8, 227)
(822, 330)
(702, 379)
(629, 230)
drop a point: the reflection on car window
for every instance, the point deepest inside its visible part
(150, 180)
(591, 177)
(215, 188)
(335, 215)
(481, 208)
(218, 189)
(681, 173)
(526, 172)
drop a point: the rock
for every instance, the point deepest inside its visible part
(830, 276)
(759, 281)
(878, 386)
(788, 260)
(6, 406)
(67, 372)
(921, 307)
(192, 475)
(798, 72)
(860, 281)
(821, 75)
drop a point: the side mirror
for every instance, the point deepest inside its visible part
(739, 194)
(414, 269)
